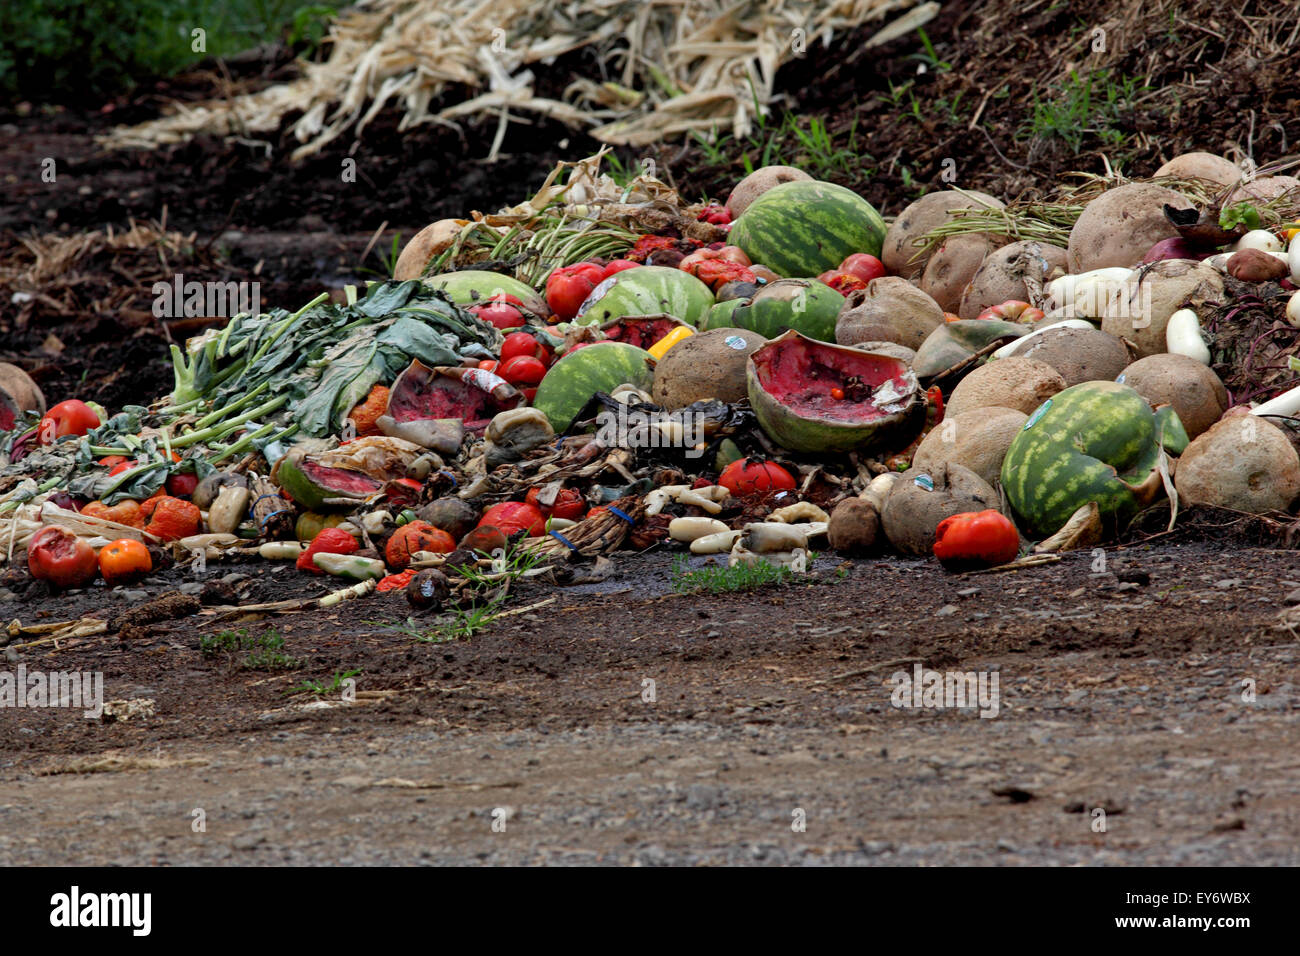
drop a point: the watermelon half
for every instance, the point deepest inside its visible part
(477, 287)
(647, 290)
(805, 228)
(582, 372)
(812, 396)
(805, 305)
(318, 487)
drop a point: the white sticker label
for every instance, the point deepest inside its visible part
(734, 341)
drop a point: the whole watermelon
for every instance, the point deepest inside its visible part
(582, 372)
(647, 290)
(805, 305)
(1097, 441)
(803, 229)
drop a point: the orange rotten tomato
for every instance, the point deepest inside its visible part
(124, 512)
(367, 412)
(976, 539)
(416, 536)
(512, 517)
(73, 417)
(327, 541)
(842, 282)
(171, 519)
(748, 477)
(569, 504)
(61, 558)
(124, 561)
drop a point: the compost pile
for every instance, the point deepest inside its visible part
(609, 367)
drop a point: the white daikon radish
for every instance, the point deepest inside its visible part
(1288, 403)
(1010, 347)
(1183, 336)
(1293, 260)
(1260, 239)
(1072, 288)
(1293, 309)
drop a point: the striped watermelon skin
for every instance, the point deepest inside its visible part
(802, 229)
(805, 305)
(581, 373)
(647, 290)
(1097, 441)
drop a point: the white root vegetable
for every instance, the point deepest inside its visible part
(688, 529)
(1089, 289)
(1288, 403)
(1010, 347)
(714, 543)
(800, 511)
(878, 489)
(1183, 336)
(691, 497)
(1293, 262)
(281, 550)
(1260, 239)
(767, 537)
(796, 560)
(658, 499)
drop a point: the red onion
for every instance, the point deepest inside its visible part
(1175, 248)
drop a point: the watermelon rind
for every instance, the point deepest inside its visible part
(581, 373)
(312, 493)
(647, 290)
(477, 287)
(1096, 441)
(901, 421)
(802, 229)
(805, 305)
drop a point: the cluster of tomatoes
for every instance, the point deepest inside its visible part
(853, 273)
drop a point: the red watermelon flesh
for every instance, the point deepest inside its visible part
(474, 396)
(642, 331)
(802, 376)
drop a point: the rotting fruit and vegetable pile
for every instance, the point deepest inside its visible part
(608, 367)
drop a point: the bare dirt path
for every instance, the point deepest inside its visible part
(770, 707)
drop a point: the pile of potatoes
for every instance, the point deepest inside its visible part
(1135, 321)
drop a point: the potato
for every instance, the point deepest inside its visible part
(889, 309)
(1001, 277)
(18, 392)
(1142, 315)
(913, 510)
(433, 240)
(1119, 226)
(1243, 462)
(1201, 166)
(759, 182)
(977, 439)
(931, 210)
(1253, 265)
(1195, 392)
(1020, 383)
(1263, 189)
(705, 365)
(1080, 355)
(952, 267)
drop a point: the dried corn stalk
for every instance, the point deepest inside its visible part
(681, 65)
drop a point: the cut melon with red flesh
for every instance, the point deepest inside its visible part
(474, 396)
(790, 383)
(642, 331)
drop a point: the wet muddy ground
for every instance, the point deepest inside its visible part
(624, 723)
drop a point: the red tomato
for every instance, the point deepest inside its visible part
(747, 477)
(595, 271)
(842, 282)
(73, 417)
(976, 539)
(112, 461)
(618, 265)
(182, 484)
(522, 370)
(529, 394)
(501, 314)
(511, 517)
(569, 504)
(327, 541)
(734, 254)
(121, 466)
(61, 558)
(522, 343)
(567, 289)
(488, 365)
(865, 267)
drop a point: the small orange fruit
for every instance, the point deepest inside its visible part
(124, 561)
